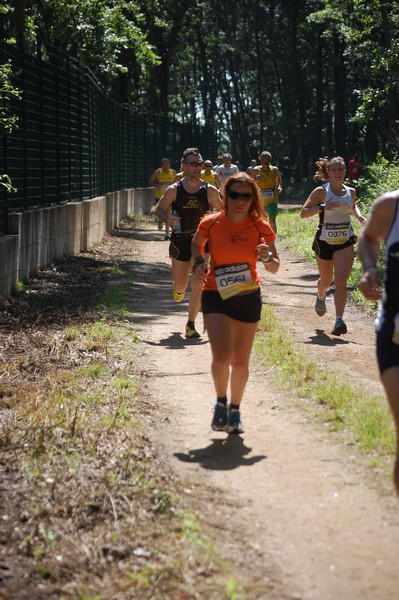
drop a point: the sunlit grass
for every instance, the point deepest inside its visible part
(100, 332)
(297, 235)
(123, 383)
(367, 418)
(93, 492)
(92, 371)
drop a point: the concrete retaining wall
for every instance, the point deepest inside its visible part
(38, 237)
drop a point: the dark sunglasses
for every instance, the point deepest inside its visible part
(237, 196)
(194, 163)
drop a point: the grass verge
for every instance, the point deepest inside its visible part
(87, 510)
(365, 418)
(297, 235)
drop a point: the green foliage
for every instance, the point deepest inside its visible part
(106, 37)
(331, 88)
(381, 176)
(7, 89)
(233, 590)
(7, 121)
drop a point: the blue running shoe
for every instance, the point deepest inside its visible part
(219, 421)
(234, 424)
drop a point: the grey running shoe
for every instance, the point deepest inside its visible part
(219, 421)
(234, 424)
(339, 327)
(320, 306)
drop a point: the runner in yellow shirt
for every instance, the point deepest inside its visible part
(268, 178)
(209, 175)
(161, 179)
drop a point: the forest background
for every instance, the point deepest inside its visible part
(300, 78)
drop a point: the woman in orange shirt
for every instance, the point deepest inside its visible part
(238, 237)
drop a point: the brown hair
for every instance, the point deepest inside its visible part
(256, 208)
(322, 168)
(190, 151)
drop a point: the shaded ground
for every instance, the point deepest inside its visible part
(295, 508)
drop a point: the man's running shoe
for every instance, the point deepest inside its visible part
(160, 225)
(219, 421)
(191, 333)
(339, 327)
(320, 306)
(234, 424)
(178, 296)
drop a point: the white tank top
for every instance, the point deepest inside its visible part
(336, 227)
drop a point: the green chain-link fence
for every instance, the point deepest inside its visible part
(73, 142)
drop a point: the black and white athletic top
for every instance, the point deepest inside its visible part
(389, 304)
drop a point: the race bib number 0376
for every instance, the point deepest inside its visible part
(233, 279)
(336, 233)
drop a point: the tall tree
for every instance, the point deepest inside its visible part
(298, 77)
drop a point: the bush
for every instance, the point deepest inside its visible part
(380, 176)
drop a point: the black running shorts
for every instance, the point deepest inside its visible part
(387, 352)
(246, 308)
(325, 251)
(180, 248)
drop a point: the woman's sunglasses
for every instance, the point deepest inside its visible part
(237, 196)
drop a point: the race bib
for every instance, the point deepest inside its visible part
(233, 279)
(336, 233)
(268, 193)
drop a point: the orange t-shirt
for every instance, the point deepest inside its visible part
(233, 243)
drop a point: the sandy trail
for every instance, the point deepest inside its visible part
(305, 516)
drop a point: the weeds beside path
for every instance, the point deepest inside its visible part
(115, 487)
(88, 510)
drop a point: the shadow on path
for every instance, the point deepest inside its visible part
(222, 455)
(323, 339)
(175, 341)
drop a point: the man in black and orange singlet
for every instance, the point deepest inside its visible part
(185, 203)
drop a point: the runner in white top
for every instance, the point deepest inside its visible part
(334, 241)
(227, 169)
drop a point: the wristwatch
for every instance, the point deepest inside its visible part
(199, 260)
(269, 258)
(322, 206)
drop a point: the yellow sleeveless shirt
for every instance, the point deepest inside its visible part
(268, 184)
(165, 180)
(209, 178)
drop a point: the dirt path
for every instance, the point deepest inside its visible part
(305, 516)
